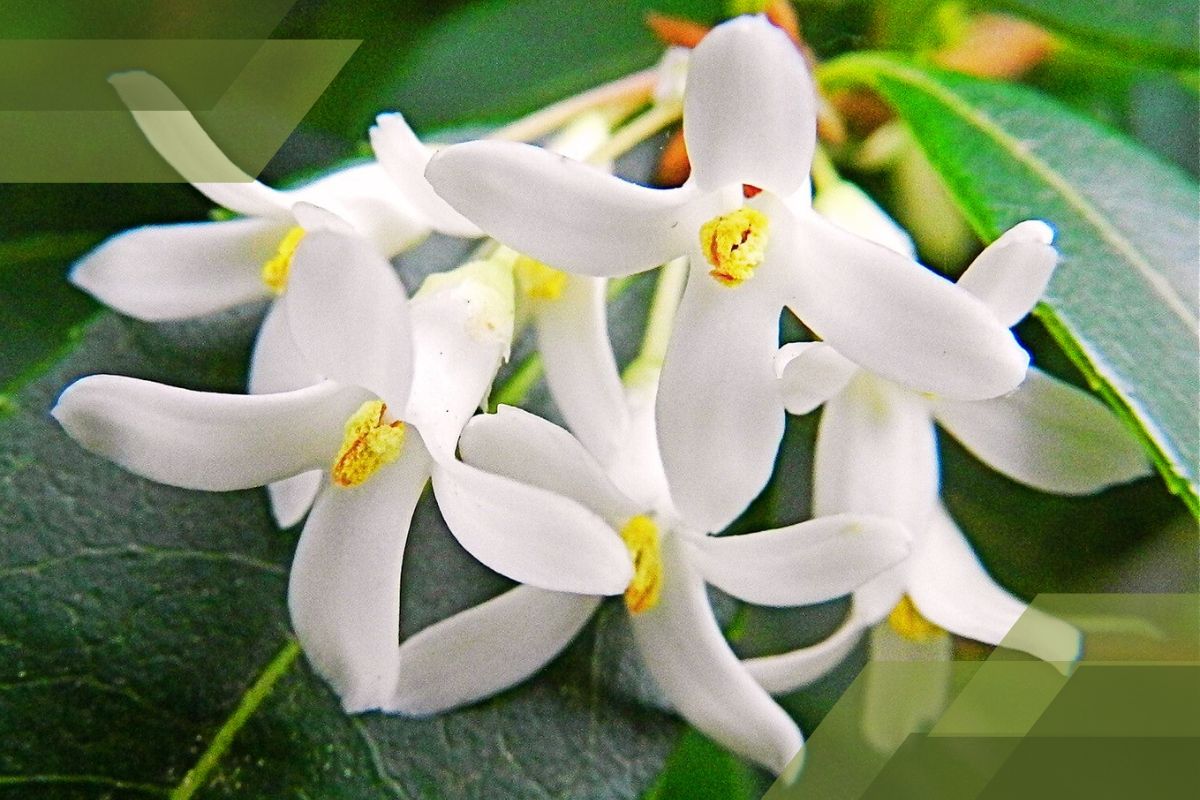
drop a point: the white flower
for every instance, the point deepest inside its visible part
(877, 453)
(386, 414)
(495, 645)
(748, 121)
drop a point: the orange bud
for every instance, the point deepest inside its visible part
(675, 31)
(673, 166)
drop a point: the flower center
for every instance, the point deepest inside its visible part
(276, 268)
(537, 280)
(908, 622)
(368, 445)
(734, 244)
(641, 537)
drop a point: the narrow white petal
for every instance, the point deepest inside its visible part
(404, 157)
(564, 213)
(180, 140)
(1011, 274)
(1049, 435)
(369, 202)
(486, 649)
(691, 662)
(720, 415)
(851, 208)
(907, 686)
(580, 368)
(528, 449)
(162, 272)
(894, 317)
(349, 316)
(749, 113)
(876, 598)
(795, 669)
(876, 454)
(951, 588)
(802, 564)
(291, 498)
(529, 534)
(204, 440)
(810, 373)
(344, 592)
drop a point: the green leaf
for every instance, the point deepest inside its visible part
(1123, 300)
(1165, 33)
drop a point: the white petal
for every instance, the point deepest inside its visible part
(349, 316)
(950, 587)
(810, 373)
(462, 332)
(692, 664)
(528, 449)
(907, 686)
(566, 214)
(580, 368)
(204, 440)
(404, 157)
(876, 598)
(720, 415)
(364, 198)
(894, 317)
(486, 649)
(344, 592)
(291, 498)
(876, 454)
(180, 140)
(802, 564)
(162, 272)
(1011, 274)
(749, 113)
(795, 669)
(851, 208)
(1049, 435)
(529, 534)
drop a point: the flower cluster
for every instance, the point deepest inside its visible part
(359, 395)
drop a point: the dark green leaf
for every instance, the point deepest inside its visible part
(1123, 300)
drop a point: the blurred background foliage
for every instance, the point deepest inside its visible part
(1129, 65)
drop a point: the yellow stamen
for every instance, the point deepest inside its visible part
(641, 537)
(276, 268)
(734, 244)
(368, 445)
(537, 280)
(907, 621)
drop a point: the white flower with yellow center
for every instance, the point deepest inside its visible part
(493, 646)
(748, 121)
(876, 453)
(386, 414)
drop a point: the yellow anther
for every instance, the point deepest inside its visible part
(907, 621)
(641, 537)
(734, 244)
(368, 445)
(538, 281)
(276, 268)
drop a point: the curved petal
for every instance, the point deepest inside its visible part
(749, 111)
(178, 138)
(687, 655)
(720, 416)
(364, 198)
(528, 449)
(580, 368)
(162, 272)
(851, 208)
(344, 591)
(1011, 274)
(876, 598)
(486, 649)
(1049, 435)
(404, 157)
(529, 534)
(894, 317)
(876, 454)
(565, 213)
(204, 440)
(349, 316)
(907, 686)
(291, 498)
(810, 373)
(795, 669)
(950, 587)
(802, 564)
